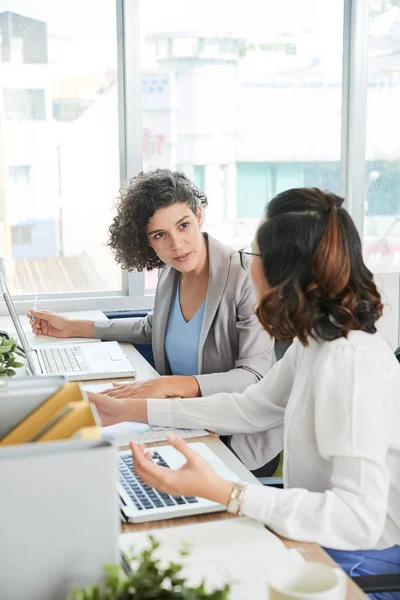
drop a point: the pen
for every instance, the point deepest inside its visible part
(35, 307)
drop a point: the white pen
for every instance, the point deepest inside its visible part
(35, 307)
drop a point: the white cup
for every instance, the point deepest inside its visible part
(307, 581)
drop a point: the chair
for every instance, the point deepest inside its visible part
(370, 584)
(397, 353)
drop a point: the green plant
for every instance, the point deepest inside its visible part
(8, 352)
(147, 581)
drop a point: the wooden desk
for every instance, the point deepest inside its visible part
(310, 551)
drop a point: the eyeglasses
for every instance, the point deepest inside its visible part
(244, 254)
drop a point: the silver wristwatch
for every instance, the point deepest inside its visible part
(236, 498)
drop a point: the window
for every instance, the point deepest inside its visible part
(382, 186)
(21, 235)
(61, 146)
(262, 181)
(19, 175)
(24, 105)
(246, 109)
(246, 114)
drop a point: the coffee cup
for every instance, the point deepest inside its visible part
(307, 581)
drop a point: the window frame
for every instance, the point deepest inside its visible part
(133, 294)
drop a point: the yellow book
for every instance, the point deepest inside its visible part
(89, 433)
(27, 430)
(71, 418)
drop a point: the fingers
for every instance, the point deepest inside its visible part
(111, 392)
(150, 473)
(46, 315)
(37, 328)
(98, 398)
(118, 393)
(182, 447)
(101, 401)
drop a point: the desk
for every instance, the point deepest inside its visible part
(310, 551)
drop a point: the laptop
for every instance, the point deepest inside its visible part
(77, 362)
(140, 503)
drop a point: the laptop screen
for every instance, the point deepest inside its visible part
(17, 323)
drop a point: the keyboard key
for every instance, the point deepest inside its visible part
(179, 499)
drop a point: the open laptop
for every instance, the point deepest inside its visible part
(76, 362)
(140, 503)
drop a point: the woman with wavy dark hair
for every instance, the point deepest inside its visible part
(203, 330)
(336, 390)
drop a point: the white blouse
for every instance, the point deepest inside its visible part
(339, 402)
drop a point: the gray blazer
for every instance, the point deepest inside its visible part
(234, 351)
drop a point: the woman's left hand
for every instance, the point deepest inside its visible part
(153, 388)
(195, 478)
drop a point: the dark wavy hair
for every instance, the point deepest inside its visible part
(312, 259)
(138, 201)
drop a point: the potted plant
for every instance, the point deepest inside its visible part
(8, 355)
(147, 581)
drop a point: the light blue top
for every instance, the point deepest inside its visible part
(182, 338)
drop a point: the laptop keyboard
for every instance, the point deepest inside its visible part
(61, 360)
(143, 496)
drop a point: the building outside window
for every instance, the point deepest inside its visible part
(246, 108)
(59, 125)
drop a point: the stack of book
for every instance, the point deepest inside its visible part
(44, 410)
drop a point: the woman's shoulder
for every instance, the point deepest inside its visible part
(366, 350)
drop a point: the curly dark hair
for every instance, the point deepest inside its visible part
(137, 203)
(312, 258)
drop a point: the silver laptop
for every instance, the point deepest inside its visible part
(76, 362)
(140, 503)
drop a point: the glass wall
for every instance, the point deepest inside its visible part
(59, 166)
(382, 186)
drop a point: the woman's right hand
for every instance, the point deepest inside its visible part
(46, 322)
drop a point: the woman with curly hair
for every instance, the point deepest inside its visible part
(336, 391)
(205, 335)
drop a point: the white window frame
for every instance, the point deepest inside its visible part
(353, 157)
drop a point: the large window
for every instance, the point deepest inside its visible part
(247, 112)
(382, 187)
(248, 98)
(59, 147)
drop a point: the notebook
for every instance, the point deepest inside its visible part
(76, 362)
(140, 503)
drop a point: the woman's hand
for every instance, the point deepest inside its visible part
(195, 478)
(46, 322)
(118, 410)
(170, 386)
(153, 388)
